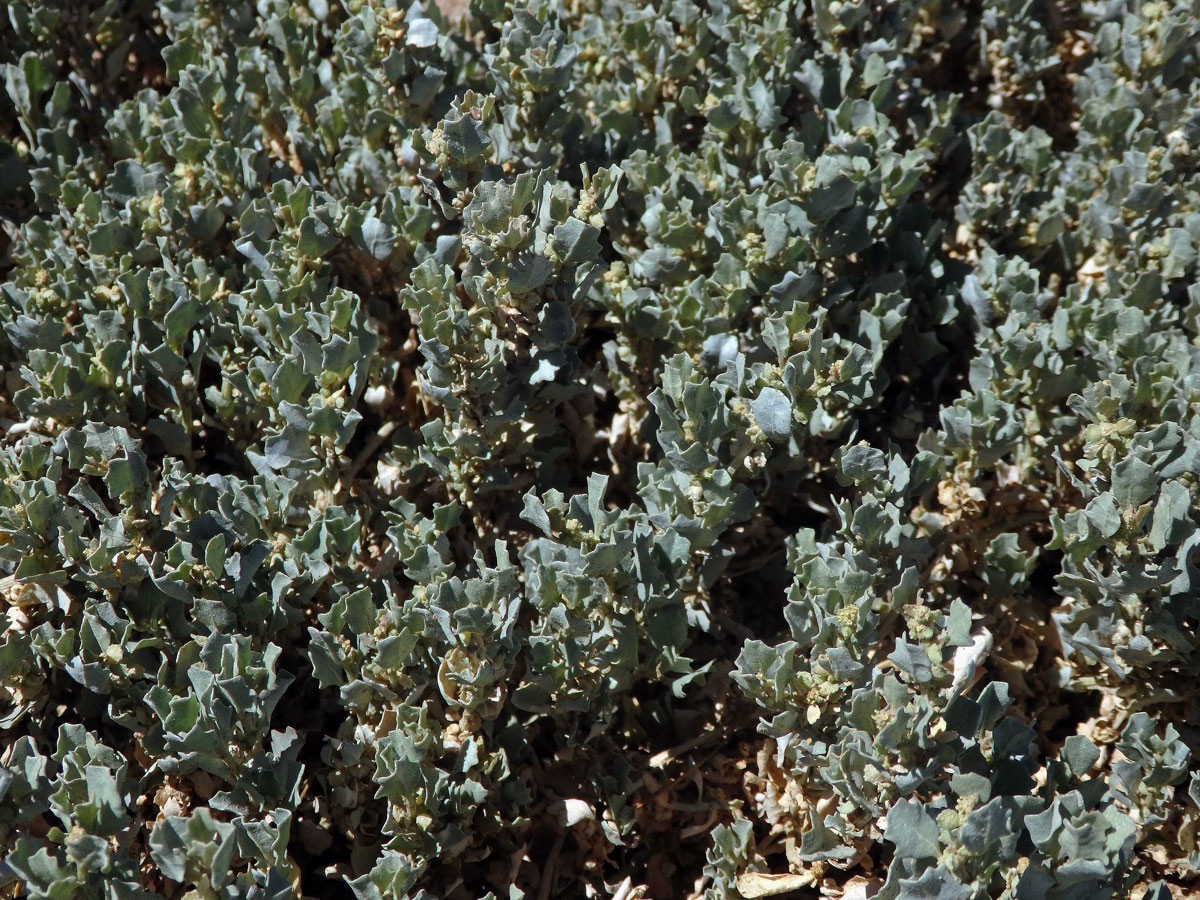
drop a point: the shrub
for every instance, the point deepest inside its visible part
(600, 449)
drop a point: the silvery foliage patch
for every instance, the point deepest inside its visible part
(402, 416)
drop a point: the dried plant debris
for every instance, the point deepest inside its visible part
(649, 450)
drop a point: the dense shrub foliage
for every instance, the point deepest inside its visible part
(640, 449)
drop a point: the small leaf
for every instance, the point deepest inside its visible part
(576, 242)
(773, 413)
(376, 238)
(763, 884)
(912, 830)
(421, 33)
(1079, 753)
(912, 660)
